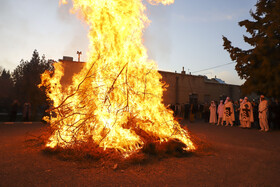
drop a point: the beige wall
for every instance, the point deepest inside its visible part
(181, 86)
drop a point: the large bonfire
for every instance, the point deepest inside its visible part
(115, 102)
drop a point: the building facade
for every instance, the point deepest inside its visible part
(186, 88)
(182, 88)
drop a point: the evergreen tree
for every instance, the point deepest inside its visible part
(26, 78)
(260, 65)
(6, 93)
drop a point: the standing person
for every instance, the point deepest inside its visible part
(26, 111)
(206, 112)
(213, 109)
(246, 114)
(263, 109)
(236, 112)
(195, 109)
(14, 109)
(187, 109)
(172, 107)
(176, 109)
(220, 113)
(228, 112)
(275, 110)
(191, 113)
(239, 111)
(182, 111)
(255, 113)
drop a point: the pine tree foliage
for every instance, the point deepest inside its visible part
(260, 65)
(6, 86)
(27, 77)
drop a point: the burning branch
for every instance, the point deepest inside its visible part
(115, 102)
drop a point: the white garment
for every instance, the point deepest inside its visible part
(228, 113)
(263, 110)
(246, 114)
(220, 110)
(213, 117)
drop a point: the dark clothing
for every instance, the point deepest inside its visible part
(26, 111)
(14, 109)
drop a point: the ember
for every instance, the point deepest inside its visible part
(116, 100)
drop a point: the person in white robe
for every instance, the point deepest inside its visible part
(263, 110)
(220, 112)
(246, 114)
(239, 110)
(213, 116)
(228, 112)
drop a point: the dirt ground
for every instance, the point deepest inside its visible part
(229, 156)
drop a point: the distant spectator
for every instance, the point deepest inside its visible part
(246, 114)
(187, 109)
(14, 109)
(274, 110)
(255, 113)
(195, 110)
(263, 110)
(200, 111)
(277, 114)
(206, 112)
(236, 112)
(182, 111)
(26, 114)
(172, 107)
(213, 109)
(191, 113)
(239, 110)
(177, 109)
(228, 112)
(220, 112)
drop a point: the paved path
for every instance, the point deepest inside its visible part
(230, 156)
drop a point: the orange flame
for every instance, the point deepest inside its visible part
(118, 93)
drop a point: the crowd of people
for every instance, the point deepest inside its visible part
(26, 111)
(262, 114)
